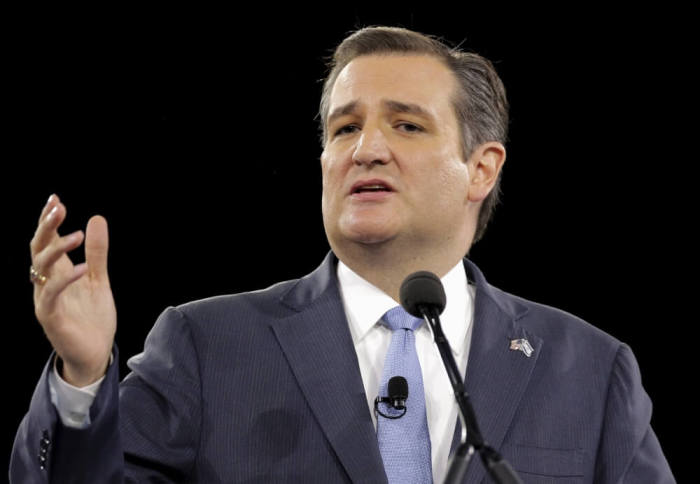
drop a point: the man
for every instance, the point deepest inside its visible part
(278, 385)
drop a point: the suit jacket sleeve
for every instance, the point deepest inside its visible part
(629, 451)
(47, 451)
(145, 430)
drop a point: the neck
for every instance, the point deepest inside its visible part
(386, 265)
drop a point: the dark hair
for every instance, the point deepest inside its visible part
(480, 104)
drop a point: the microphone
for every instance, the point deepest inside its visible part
(423, 296)
(421, 293)
(398, 394)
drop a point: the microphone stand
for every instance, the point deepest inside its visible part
(471, 438)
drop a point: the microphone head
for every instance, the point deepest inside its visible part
(422, 288)
(397, 388)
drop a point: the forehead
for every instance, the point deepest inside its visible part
(419, 79)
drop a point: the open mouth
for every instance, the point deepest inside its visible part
(371, 186)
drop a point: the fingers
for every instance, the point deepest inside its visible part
(96, 247)
(55, 285)
(50, 204)
(47, 246)
(46, 231)
(44, 261)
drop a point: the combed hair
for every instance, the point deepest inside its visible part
(480, 103)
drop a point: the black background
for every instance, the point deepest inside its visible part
(193, 132)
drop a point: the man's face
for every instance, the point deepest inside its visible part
(392, 164)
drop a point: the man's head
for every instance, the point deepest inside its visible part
(477, 99)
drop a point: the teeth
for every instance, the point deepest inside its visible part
(372, 187)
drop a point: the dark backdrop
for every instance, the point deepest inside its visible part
(194, 133)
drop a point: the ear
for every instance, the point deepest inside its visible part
(484, 165)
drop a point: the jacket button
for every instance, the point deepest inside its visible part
(43, 449)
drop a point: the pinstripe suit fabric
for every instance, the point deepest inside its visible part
(265, 387)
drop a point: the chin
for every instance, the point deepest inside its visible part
(351, 228)
(368, 234)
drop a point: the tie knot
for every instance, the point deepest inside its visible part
(397, 318)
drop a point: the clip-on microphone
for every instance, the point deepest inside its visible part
(398, 394)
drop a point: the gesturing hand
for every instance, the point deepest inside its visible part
(74, 304)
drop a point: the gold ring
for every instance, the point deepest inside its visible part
(34, 276)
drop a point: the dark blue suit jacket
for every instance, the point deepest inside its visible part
(265, 387)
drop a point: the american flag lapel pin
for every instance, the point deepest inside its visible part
(522, 345)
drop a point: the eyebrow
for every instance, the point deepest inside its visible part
(348, 108)
(408, 108)
(391, 105)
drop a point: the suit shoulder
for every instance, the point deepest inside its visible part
(553, 322)
(262, 301)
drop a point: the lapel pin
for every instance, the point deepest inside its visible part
(522, 345)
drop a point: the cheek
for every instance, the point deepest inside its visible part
(329, 182)
(453, 184)
(324, 171)
(334, 167)
(325, 192)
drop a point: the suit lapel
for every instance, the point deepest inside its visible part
(497, 376)
(317, 343)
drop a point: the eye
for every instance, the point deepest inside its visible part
(409, 127)
(348, 128)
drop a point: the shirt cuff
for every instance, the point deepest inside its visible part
(73, 403)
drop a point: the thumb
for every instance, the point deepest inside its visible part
(96, 245)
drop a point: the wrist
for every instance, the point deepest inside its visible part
(81, 377)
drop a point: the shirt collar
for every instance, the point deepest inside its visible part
(365, 304)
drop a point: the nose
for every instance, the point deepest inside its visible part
(372, 148)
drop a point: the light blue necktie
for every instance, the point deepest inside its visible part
(404, 442)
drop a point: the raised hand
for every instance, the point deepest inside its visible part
(74, 303)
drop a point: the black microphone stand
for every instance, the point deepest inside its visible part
(498, 468)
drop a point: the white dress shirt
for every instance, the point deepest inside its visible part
(73, 403)
(364, 306)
